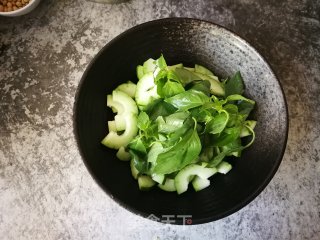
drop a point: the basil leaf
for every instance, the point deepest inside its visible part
(202, 114)
(159, 108)
(245, 107)
(217, 159)
(201, 69)
(232, 148)
(231, 109)
(188, 99)
(179, 133)
(227, 152)
(216, 104)
(227, 136)
(171, 88)
(171, 75)
(237, 97)
(217, 123)
(200, 85)
(183, 153)
(234, 85)
(168, 84)
(206, 154)
(137, 145)
(140, 161)
(160, 78)
(172, 122)
(143, 121)
(234, 117)
(185, 75)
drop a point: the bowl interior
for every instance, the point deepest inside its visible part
(188, 41)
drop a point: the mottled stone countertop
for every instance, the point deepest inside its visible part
(45, 190)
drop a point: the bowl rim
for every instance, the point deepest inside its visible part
(236, 207)
(19, 10)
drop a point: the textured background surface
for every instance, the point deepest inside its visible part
(45, 189)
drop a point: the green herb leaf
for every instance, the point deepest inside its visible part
(185, 75)
(245, 107)
(234, 85)
(217, 123)
(202, 114)
(231, 109)
(188, 99)
(171, 88)
(140, 161)
(183, 153)
(234, 117)
(159, 108)
(200, 85)
(206, 154)
(168, 84)
(179, 133)
(201, 69)
(143, 121)
(137, 145)
(172, 122)
(237, 97)
(217, 159)
(227, 136)
(232, 148)
(220, 156)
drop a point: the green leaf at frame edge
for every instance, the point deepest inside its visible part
(217, 123)
(234, 85)
(183, 153)
(188, 99)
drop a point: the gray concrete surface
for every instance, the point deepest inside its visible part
(46, 191)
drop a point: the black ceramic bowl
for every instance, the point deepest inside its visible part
(188, 41)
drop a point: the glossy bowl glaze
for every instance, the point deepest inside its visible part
(188, 41)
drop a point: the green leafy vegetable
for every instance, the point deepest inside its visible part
(200, 85)
(143, 121)
(172, 122)
(203, 70)
(186, 76)
(227, 136)
(188, 99)
(187, 122)
(138, 146)
(159, 108)
(234, 85)
(217, 123)
(237, 97)
(183, 153)
(139, 161)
